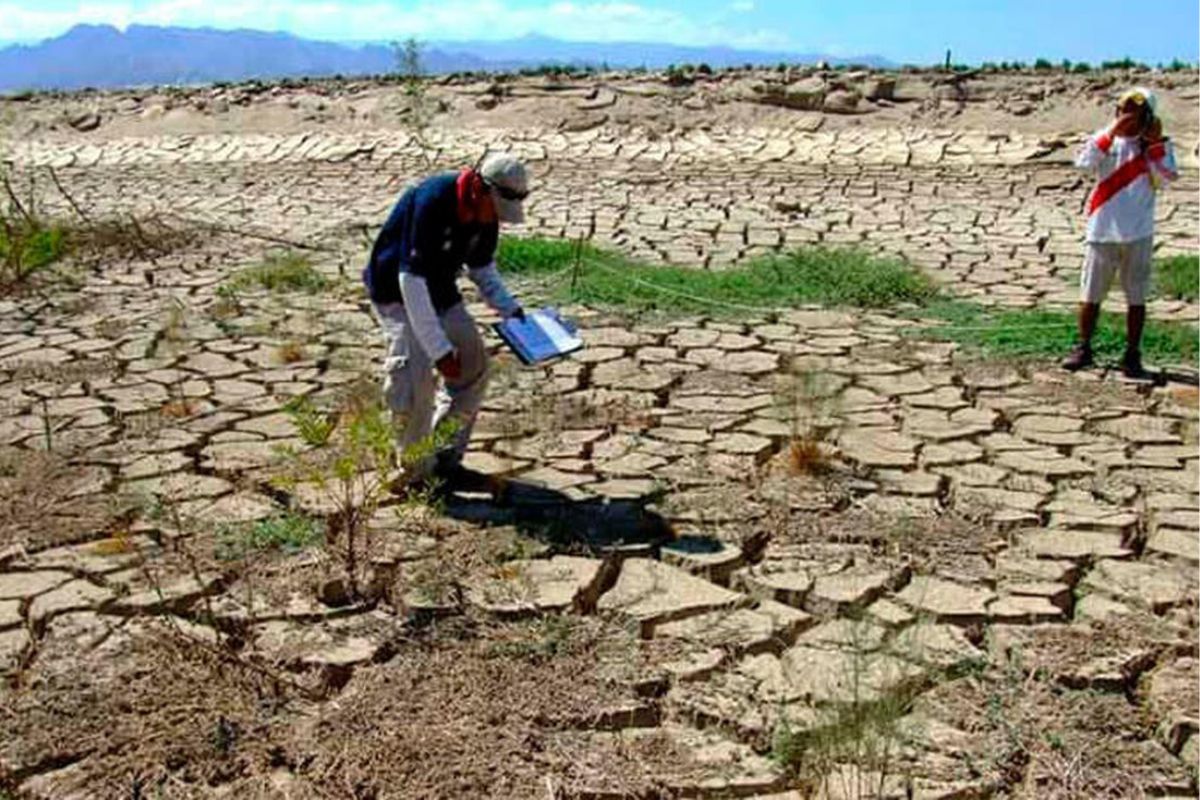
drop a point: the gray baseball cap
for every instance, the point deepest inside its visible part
(508, 182)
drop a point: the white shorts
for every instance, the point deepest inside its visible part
(1103, 259)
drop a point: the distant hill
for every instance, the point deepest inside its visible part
(102, 56)
(537, 49)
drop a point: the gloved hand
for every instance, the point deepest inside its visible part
(450, 366)
(518, 314)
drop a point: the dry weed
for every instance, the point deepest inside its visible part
(1041, 740)
(141, 713)
(474, 715)
(291, 352)
(806, 456)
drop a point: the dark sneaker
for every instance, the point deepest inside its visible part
(457, 478)
(1131, 365)
(1080, 357)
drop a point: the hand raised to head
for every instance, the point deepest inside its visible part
(1126, 124)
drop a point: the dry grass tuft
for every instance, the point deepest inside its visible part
(291, 352)
(807, 457)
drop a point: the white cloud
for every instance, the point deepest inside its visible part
(742, 6)
(23, 22)
(592, 20)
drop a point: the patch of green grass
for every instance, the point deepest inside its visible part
(1178, 278)
(1025, 333)
(288, 533)
(812, 276)
(281, 272)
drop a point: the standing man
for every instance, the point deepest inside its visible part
(1131, 160)
(440, 225)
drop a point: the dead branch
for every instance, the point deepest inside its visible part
(67, 196)
(218, 227)
(15, 200)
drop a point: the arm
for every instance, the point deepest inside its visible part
(1161, 155)
(1095, 150)
(427, 328)
(414, 288)
(481, 269)
(491, 287)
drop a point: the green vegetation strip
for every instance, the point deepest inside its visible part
(822, 277)
(572, 272)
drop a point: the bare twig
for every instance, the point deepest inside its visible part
(218, 227)
(67, 196)
(12, 196)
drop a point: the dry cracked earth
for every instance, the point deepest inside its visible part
(945, 577)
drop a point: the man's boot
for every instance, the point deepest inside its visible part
(1131, 365)
(454, 477)
(1131, 362)
(1080, 357)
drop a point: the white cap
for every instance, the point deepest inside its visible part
(508, 182)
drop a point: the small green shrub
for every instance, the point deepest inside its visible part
(1081, 66)
(281, 272)
(1043, 64)
(349, 460)
(849, 749)
(26, 248)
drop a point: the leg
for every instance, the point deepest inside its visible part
(1094, 281)
(1135, 323)
(1089, 315)
(466, 394)
(1135, 279)
(1081, 355)
(408, 383)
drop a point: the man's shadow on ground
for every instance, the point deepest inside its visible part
(596, 525)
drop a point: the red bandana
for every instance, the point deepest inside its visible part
(474, 202)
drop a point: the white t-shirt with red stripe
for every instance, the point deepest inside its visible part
(1121, 206)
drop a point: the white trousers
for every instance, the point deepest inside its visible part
(1130, 260)
(411, 383)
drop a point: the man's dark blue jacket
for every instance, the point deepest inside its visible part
(423, 236)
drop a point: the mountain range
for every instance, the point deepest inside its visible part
(101, 56)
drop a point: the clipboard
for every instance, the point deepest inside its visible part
(542, 336)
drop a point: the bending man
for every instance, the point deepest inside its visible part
(439, 226)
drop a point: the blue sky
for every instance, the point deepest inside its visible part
(916, 31)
